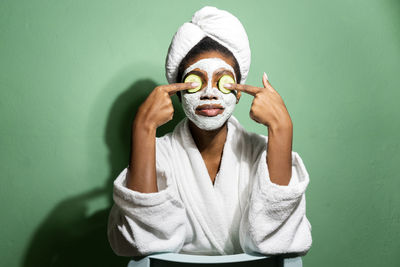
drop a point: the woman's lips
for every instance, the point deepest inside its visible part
(209, 110)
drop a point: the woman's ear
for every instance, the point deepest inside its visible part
(238, 95)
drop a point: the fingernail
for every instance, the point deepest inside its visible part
(227, 85)
(266, 76)
(194, 84)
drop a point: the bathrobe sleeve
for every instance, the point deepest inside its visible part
(274, 221)
(145, 223)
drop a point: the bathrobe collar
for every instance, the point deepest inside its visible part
(197, 191)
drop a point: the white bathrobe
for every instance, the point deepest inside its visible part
(242, 212)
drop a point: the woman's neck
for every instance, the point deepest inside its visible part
(209, 142)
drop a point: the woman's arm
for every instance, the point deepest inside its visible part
(141, 173)
(144, 220)
(274, 220)
(269, 109)
(279, 152)
(155, 111)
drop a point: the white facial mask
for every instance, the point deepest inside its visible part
(190, 101)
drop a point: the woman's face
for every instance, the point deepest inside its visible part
(209, 108)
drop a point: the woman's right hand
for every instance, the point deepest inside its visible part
(157, 109)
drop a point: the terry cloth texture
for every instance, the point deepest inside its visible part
(243, 211)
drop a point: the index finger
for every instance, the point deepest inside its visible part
(176, 87)
(252, 90)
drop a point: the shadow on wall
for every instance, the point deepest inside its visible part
(68, 237)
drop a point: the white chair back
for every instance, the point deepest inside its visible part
(237, 260)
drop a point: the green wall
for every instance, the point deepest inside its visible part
(72, 74)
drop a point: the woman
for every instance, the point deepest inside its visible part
(210, 187)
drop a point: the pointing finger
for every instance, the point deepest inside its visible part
(175, 87)
(252, 90)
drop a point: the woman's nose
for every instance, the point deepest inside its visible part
(208, 97)
(209, 93)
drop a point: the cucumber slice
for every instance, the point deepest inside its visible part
(223, 80)
(193, 78)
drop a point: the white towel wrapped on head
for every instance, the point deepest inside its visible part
(220, 26)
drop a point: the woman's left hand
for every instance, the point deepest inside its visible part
(268, 107)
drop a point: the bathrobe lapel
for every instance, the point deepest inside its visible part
(197, 191)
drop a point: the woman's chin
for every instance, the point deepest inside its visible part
(208, 123)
